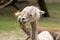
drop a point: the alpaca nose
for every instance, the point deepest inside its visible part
(23, 18)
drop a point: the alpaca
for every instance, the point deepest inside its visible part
(55, 32)
(31, 15)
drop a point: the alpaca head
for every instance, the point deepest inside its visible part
(30, 13)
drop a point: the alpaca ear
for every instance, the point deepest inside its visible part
(42, 12)
(17, 13)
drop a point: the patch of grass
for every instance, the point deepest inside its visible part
(8, 23)
(49, 22)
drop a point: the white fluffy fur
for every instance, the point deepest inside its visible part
(30, 13)
(45, 35)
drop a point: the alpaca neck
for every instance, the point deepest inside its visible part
(25, 29)
(33, 31)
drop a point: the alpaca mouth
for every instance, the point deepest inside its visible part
(23, 22)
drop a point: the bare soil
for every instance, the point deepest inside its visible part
(12, 35)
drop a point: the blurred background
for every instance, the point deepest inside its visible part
(9, 26)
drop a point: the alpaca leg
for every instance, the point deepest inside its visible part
(58, 37)
(27, 37)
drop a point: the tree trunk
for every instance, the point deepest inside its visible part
(13, 4)
(1, 1)
(43, 7)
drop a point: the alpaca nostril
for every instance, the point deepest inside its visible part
(23, 18)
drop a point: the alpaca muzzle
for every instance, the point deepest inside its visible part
(23, 20)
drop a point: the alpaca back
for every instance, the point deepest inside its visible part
(45, 35)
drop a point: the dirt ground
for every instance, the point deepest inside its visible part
(12, 35)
